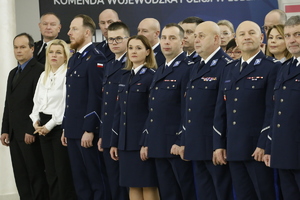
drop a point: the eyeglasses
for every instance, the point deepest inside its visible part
(266, 28)
(117, 39)
(225, 34)
(236, 53)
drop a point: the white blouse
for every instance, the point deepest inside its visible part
(49, 98)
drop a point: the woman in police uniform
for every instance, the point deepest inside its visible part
(130, 116)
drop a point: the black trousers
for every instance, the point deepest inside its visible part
(57, 163)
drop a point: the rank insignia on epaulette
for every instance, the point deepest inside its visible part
(97, 50)
(228, 60)
(214, 62)
(176, 63)
(257, 61)
(143, 71)
(190, 62)
(88, 58)
(84, 53)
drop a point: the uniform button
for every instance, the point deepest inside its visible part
(109, 82)
(105, 113)
(234, 111)
(281, 100)
(137, 90)
(68, 96)
(126, 92)
(278, 125)
(106, 92)
(69, 85)
(105, 103)
(151, 109)
(234, 123)
(67, 106)
(189, 121)
(191, 98)
(156, 88)
(124, 102)
(189, 110)
(124, 113)
(151, 120)
(173, 85)
(253, 86)
(205, 87)
(124, 123)
(71, 75)
(284, 87)
(237, 88)
(279, 112)
(235, 99)
(193, 87)
(168, 87)
(153, 98)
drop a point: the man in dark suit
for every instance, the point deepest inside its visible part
(106, 17)
(150, 28)
(50, 27)
(189, 25)
(118, 34)
(82, 114)
(243, 115)
(211, 182)
(283, 144)
(166, 105)
(17, 130)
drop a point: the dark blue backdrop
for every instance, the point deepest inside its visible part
(166, 11)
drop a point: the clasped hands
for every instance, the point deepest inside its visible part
(41, 130)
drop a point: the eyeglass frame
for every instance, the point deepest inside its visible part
(118, 40)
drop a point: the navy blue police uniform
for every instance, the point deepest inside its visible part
(211, 182)
(104, 48)
(159, 56)
(194, 57)
(113, 72)
(166, 106)
(285, 131)
(83, 106)
(130, 117)
(242, 122)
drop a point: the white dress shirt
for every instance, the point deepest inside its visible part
(49, 98)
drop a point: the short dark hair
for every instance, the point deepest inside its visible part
(192, 20)
(231, 44)
(119, 25)
(87, 22)
(181, 31)
(50, 13)
(293, 21)
(30, 39)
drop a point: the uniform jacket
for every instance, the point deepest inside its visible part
(104, 48)
(84, 93)
(132, 109)
(285, 130)
(244, 107)
(194, 57)
(112, 75)
(19, 100)
(159, 57)
(166, 104)
(201, 96)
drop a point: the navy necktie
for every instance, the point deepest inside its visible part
(16, 77)
(201, 65)
(243, 66)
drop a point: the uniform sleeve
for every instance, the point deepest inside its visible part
(114, 140)
(93, 110)
(5, 118)
(220, 120)
(269, 102)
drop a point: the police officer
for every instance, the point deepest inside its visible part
(189, 25)
(118, 34)
(166, 105)
(242, 116)
(285, 135)
(150, 28)
(106, 17)
(83, 105)
(211, 182)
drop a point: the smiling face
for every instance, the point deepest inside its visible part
(276, 43)
(249, 37)
(137, 52)
(56, 56)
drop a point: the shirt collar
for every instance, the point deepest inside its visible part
(169, 63)
(84, 47)
(250, 59)
(155, 46)
(210, 56)
(137, 69)
(24, 64)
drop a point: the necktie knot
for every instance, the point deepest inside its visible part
(19, 69)
(243, 66)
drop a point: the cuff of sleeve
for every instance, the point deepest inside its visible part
(50, 124)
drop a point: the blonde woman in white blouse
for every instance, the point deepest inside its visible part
(47, 116)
